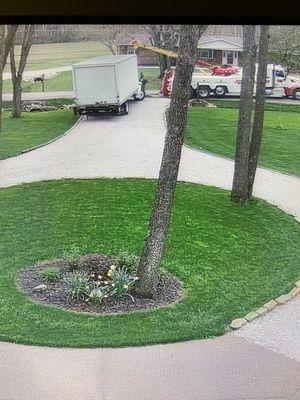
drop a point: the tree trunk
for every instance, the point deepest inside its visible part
(164, 36)
(239, 191)
(161, 211)
(163, 65)
(17, 99)
(258, 120)
(1, 88)
(17, 74)
(7, 34)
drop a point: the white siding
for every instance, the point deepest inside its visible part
(219, 45)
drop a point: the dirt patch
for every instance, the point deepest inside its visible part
(168, 291)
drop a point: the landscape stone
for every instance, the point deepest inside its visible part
(297, 284)
(283, 299)
(40, 288)
(270, 305)
(295, 291)
(251, 316)
(261, 311)
(238, 323)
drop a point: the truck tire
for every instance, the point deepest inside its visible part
(193, 93)
(203, 92)
(139, 96)
(124, 109)
(296, 94)
(220, 91)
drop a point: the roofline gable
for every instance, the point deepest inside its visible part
(219, 39)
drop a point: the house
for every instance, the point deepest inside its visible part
(214, 49)
(144, 57)
(219, 50)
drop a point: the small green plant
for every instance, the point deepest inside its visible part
(72, 255)
(50, 274)
(127, 260)
(78, 285)
(97, 294)
(121, 281)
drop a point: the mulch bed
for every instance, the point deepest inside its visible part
(55, 294)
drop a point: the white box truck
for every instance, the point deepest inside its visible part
(104, 84)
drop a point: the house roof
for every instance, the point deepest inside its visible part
(216, 42)
(221, 42)
(126, 39)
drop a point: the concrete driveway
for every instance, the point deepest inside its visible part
(226, 368)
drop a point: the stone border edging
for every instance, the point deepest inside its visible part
(269, 306)
(50, 141)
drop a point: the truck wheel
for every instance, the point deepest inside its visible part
(220, 91)
(203, 92)
(124, 109)
(296, 94)
(193, 93)
(139, 96)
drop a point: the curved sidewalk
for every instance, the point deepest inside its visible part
(225, 368)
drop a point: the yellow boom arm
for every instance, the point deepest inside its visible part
(137, 44)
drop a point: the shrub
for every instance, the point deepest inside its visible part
(78, 285)
(72, 255)
(95, 263)
(50, 274)
(121, 281)
(128, 261)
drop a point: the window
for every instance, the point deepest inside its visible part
(279, 73)
(206, 53)
(130, 50)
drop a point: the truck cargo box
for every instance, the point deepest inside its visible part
(105, 80)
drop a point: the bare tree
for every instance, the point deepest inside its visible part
(7, 34)
(258, 120)
(161, 211)
(239, 191)
(108, 35)
(165, 36)
(17, 73)
(285, 45)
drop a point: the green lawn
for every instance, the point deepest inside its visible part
(215, 130)
(52, 55)
(63, 82)
(230, 258)
(59, 82)
(151, 74)
(32, 129)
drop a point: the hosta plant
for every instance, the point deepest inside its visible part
(120, 281)
(78, 285)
